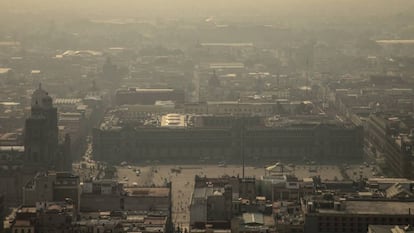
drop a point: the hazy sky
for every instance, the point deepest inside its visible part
(193, 7)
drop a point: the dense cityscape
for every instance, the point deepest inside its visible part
(207, 117)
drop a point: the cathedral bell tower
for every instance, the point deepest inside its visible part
(41, 132)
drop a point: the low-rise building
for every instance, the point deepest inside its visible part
(43, 217)
(389, 229)
(135, 202)
(393, 142)
(52, 186)
(327, 213)
(124, 221)
(148, 96)
(227, 138)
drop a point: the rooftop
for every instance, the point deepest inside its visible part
(12, 148)
(253, 219)
(145, 90)
(390, 229)
(228, 44)
(390, 180)
(82, 53)
(9, 103)
(4, 70)
(173, 120)
(9, 43)
(226, 65)
(204, 192)
(148, 192)
(374, 207)
(27, 209)
(67, 101)
(395, 41)
(22, 223)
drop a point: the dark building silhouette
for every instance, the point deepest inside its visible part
(109, 70)
(43, 150)
(319, 142)
(214, 90)
(395, 143)
(41, 141)
(1, 210)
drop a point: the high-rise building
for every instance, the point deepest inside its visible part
(41, 141)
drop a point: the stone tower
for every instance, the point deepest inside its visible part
(41, 132)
